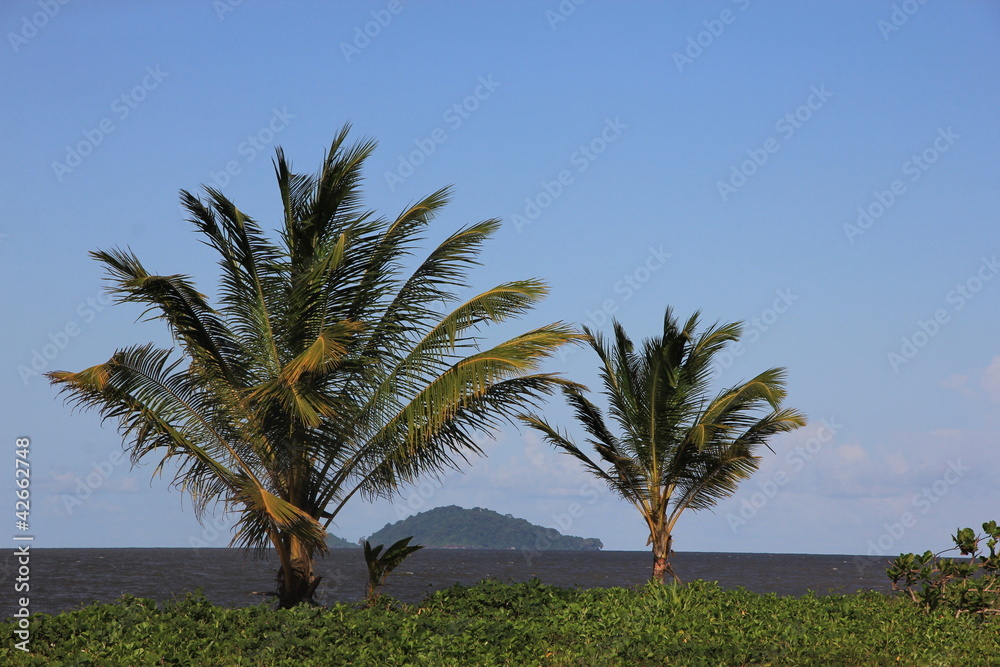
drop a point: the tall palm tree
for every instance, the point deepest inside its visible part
(679, 448)
(327, 369)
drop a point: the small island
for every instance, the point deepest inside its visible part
(454, 527)
(336, 542)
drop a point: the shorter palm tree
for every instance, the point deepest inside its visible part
(680, 448)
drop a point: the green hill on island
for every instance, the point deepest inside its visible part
(478, 528)
(334, 542)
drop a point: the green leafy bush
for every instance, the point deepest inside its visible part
(493, 623)
(962, 586)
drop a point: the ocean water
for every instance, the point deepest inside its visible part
(64, 579)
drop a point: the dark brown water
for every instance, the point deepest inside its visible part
(63, 579)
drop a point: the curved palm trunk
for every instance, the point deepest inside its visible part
(296, 581)
(662, 551)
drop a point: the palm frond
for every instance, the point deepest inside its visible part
(249, 286)
(193, 323)
(679, 448)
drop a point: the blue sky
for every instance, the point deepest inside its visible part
(825, 172)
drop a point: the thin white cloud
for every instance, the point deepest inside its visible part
(991, 380)
(852, 453)
(959, 382)
(956, 381)
(89, 482)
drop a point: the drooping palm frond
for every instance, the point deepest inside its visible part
(621, 472)
(732, 459)
(194, 324)
(161, 409)
(475, 394)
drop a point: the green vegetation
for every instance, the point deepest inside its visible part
(380, 565)
(326, 369)
(971, 585)
(680, 448)
(334, 542)
(479, 528)
(521, 624)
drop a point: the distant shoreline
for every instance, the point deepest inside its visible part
(624, 551)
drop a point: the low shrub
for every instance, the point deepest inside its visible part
(493, 623)
(972, 585)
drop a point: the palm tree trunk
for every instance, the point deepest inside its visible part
(296, 581)
(662, 551)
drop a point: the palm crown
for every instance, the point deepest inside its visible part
(326, 370)
(680, 447)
